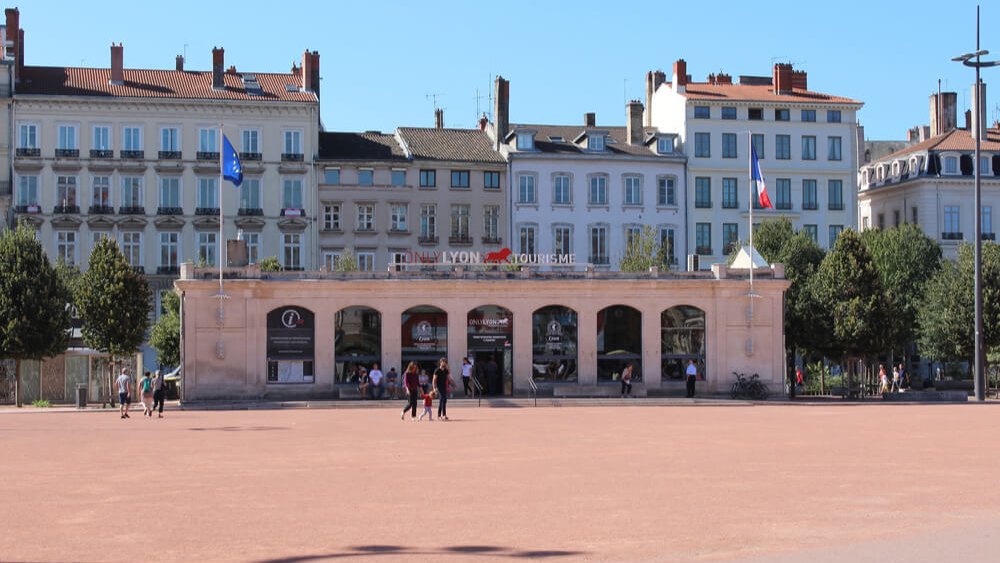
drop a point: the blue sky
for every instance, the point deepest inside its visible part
(382, 61)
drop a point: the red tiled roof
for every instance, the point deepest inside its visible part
(756, 93)
(138, 83)
(955, 140)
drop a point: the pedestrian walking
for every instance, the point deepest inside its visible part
(428, 403)
(895, 378)
(159, 393)
(375, 379)
(904, 379)
(627, 380)
(883, 379)
(124, 383)
(442, 384)
(692, 375)
(411, 386)
(466, 376)
(146, 394)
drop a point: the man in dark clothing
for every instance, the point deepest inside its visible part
(411, 385)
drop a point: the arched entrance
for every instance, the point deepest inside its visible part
(357, 341)
(424, 337)
(490, 336)
(682, 331)
(619, 341)
(554, 344)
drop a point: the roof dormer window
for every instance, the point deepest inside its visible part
(525, 141)
(595, 142)
(951, 165)
(665, 144)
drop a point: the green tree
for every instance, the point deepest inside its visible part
(165, 337)
(270, 264)
(905, 258)
(346, 263)
(113, 300)
(34, 316)
(644, 251)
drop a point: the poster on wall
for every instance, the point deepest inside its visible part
(291, 345)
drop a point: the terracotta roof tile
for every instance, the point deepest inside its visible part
(138, 83)
(756, 93)
(360, 146)
(468, 145)
(955, 140)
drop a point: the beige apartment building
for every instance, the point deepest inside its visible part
(409, 196)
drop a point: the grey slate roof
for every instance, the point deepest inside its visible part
(360, 146)
(462, 145)
(568, 133)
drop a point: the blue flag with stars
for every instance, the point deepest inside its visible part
(232, 170)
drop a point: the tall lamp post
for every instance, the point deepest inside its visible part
(973, 60)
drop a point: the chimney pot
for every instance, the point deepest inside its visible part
(482, 123)
(439, 118)
(218, 64)
(782, 78)
(16, 37)
(680, 75)
(501, 110)
(180, 63)
(117, 64)
(634, 123)
(590, 119)
(310, 71)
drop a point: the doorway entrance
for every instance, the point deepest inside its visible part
(490, 334)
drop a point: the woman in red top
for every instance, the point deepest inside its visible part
(411, 385)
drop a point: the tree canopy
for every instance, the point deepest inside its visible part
(165, 337)
(113, 300)
(644, 251)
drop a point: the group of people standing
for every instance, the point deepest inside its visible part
(898, 379)
(440, 387)
(151, 388)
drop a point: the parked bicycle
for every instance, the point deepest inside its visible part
(749, 387)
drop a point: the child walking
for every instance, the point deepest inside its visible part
(428, 403)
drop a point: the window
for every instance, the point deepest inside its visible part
(987, 220)
(702, 192)
(950, 165)
(366, 261)
(665, 191)
(730, 237)
(66, 247)
(809, 194)
(729, 145)
(132, 191)
(728, 113)
(27, 136)
(131, 138)
(491, 180)
(67, 138)
(397, 217)
(251, 141)
(331, 176)
(170, 192)
(291, 194)
(27, 191)
(170, 139)
(730, 194)
(783, 189)
(428, 178)
(633, 190)
(207, 243)
(250, 194)
(491, 223)
(835, 231)
(595, 142)
(366, 217)
(809, 115)
(208, 140)
(782, 114)
(291, 250)
(811, 231)
(293, 143)
(701, 112)
(398, 177)
(783, 147)
(527, 235)
(757, 141)
(66, 191)
(667, 241)
(984, 165)
(599, 245)
(460, 178)
(101, 192)
(808, 147)
(253, 247)
(703, 238)
(833, 116)
(208, 193)
(428, 221)
(598, 190)
(169, 250)
(331, 260)
(366, 177)
(525, 141)
(331, 217)
(835, 194)
(913, 215)
(102, 138)
(632, 233)
(833, 148)
(951, 225)
(525, 188)
(755, 114)
(702, 144)
(460, 223)
(561, 193)
(132, 247)
(562, 239)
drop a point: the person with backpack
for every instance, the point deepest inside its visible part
(146, 388)
(159, 393)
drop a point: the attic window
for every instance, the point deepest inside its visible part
(556, 139)
(595, 142)
(525, 141)
(291, 88)
(251, 85)
(664, 145)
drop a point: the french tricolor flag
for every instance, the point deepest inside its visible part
(758, 179)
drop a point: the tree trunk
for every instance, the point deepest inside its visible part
(17, 382)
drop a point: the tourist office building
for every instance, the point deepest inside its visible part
(299, 335)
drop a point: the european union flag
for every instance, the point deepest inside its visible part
(232, 170)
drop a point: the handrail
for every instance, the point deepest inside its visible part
(534, 389)
(479, 387)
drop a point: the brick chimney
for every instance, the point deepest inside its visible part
(310, 71)
(16, 38)
(799, 80)
(944, 112)
(590, 119)
(680, 76)
(723, 78)
(968, 120)
(439, 118)
(218, 66)
(117, 64)
(179, 64)
(501, 107)
(782, 78)
(482, 123)
(634, 124)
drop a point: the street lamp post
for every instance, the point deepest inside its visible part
(977, 63)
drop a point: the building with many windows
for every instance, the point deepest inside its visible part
(409, 196)
(806, 142)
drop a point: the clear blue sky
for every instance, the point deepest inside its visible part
(381, 60)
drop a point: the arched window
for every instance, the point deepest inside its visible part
(490, 335)
(682, 330)
(619, 342)
(357, 341)
(424, 337)
(554, 344)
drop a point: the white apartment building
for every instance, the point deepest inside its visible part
(133, 154)
(585, 190)
(806, 142)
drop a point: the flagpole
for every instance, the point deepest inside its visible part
(219, 187)
(753, 194)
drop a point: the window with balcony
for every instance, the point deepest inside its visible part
(703, 238)
(250, 148)
(702, 192)
(132, 142)
(169, 253)
(666, 191)
(66, 144)
(331, 217)
(291, 194)
(170, 143)
(27, 140)
(100, 201)
(952, 226)
(292, 146)
(730, 193)
(598, 190)
(366, 261)
(250, 197)
(599, 245)
(730, 237)
(253, 247)
(397, 217)
(491, 224)
(170, 196)
(986, 222)
(66, 201)
(460, 224)
(428, 222)
(208, 197)
(101, 147)
(208, 143)
(633, 190)
(561, 191)
(527, 236)
(27, 194)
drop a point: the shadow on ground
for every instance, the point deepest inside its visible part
(397, 550)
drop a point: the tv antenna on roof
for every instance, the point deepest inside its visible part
(434, 98)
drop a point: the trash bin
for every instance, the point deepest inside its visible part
(81, 396)
(171, 390)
